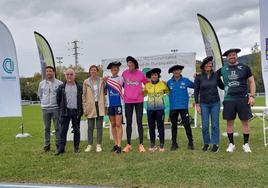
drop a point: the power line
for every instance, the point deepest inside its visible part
(75, 53)
(59, 61)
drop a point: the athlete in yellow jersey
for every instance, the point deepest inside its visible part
(155, 89)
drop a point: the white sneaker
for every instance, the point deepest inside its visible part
(231, 148)
(246, 148)
(88, 149)
(152, 149)
(98, 148)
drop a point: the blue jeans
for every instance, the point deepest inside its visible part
(210, 111)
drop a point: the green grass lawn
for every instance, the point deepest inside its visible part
(22, 160)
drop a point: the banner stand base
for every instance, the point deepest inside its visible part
(24, 135)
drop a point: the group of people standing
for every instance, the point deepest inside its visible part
(68, 101)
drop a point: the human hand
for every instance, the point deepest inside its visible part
(105, 78)
(251, 101)
(198, 109)
(196, 74)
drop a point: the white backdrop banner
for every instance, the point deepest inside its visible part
(10, 96)
(264, 44)
(164, 62)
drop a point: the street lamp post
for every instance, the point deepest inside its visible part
(59, 61)
(174, 50)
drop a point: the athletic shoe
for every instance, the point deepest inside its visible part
(231, 148)
(205, 147)
(59, 152)
(174, 147)
(114, 148)
(246, 148)
(161, 149)
(88, 149)
(47, 148)
(152, 149)
(98, 148)
(118, 150)
(128, 148)
(76, 150)
(215, 148)
(191, 146)
(141, 148)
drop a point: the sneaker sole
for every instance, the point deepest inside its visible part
(216, 151)
(246, 151)
(126, 151)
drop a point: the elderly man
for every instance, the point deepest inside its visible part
(236, 77)
(47, 94)
(69, 99)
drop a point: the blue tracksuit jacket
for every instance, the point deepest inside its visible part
(178, 96)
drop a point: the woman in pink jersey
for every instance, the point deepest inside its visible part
(133, 98)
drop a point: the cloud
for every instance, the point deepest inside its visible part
(117, 28)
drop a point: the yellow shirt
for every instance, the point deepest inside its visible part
(155, 94)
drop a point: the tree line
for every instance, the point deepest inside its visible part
(29, 85)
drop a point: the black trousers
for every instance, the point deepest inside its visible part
(129, 114)
(156, 117)
(185, 121)
(65, 121)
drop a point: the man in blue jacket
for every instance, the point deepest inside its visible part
(178, 100)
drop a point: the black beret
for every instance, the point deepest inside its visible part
(130, 58)
(175, 67)
(237, 50)
(154, 70)
(205, 61)
(114, 63)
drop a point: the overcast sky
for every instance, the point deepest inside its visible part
(118, 28)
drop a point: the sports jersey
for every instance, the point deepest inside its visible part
(114, 91)
(235, 79)
(133, 86)
(155, 92)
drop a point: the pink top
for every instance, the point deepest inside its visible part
(133, 86)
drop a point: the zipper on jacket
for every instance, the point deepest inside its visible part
(154, 96)
(48, 93)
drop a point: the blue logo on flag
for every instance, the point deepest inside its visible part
(8, 65)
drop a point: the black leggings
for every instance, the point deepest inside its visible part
(129, 114)
(185, 121)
